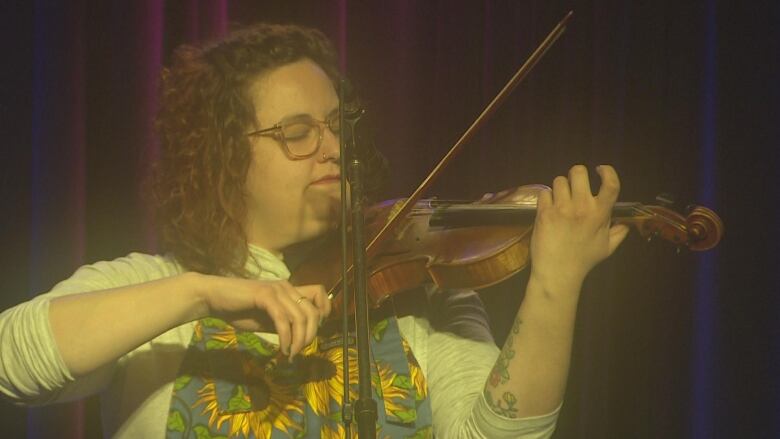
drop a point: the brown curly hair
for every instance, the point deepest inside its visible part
(197, 185)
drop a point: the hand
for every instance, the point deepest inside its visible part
(247, 305)
(572, 231)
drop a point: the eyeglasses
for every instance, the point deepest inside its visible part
(301, 137)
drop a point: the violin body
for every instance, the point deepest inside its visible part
(418, 254)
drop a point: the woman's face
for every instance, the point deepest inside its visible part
(291, 201)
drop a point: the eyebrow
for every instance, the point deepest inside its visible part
(300, 116)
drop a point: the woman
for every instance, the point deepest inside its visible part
(247, 179)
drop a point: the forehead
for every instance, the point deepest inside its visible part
(301, 87)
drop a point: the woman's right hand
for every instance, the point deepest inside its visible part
(295, 312)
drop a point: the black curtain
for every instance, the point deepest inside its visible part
(682, 97)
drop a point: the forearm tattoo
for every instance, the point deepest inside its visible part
(504, 406)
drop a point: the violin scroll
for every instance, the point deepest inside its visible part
(700, 230)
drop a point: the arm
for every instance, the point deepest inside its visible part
(457, 351)
(572, 234)
(105, 310)
(93, 329)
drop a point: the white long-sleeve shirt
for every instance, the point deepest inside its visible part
(135, 390)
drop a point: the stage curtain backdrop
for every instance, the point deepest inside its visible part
(681, 97)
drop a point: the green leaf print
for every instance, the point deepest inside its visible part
(202, 432)
(403, 382)
(181, 382)
(254, 343)
(406, 416)
(379, 330)
(377, 384)
(238, 400)
(212, 322)
(215, 344)
(175, 421)
(335, 416)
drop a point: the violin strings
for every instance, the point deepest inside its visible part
(428, 208)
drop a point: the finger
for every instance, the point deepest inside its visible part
(298, 318)
(312, 319)
(502, 194)
(318, 297)
(610, 186)
(306, 303)
(281, 322)
(486, 197)
(617, 234)
(544, 200)
(561, 192)
(580, 184)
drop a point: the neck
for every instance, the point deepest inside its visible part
(466, 215)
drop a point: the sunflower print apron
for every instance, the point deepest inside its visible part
(237, 385)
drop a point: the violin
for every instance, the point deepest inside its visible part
(479, 244)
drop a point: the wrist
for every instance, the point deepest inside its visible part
(557, 287)
(196, 293)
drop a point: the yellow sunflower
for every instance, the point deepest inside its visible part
(418, 379)
(277, 412)
(226, 338)
(337, 432)
(197, 332)
(391, 393)
(325, 377)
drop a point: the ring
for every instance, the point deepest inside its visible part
(300, 299)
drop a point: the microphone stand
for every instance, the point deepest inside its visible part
(365, 407)
(346, 403)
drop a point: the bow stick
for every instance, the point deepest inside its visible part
(518, 77)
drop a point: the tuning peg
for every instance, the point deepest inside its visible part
(654, 234)
(665, 199)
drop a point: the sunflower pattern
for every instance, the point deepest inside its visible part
(237, 385)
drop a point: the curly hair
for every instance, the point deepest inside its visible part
(197, 184)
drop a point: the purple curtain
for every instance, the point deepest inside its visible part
(682, 97)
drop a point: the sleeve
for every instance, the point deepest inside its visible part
(32, 371)
(460, 353)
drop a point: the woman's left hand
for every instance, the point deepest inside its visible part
(572, 232)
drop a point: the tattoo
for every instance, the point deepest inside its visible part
(500, 372)
(504, 406)
(516, 326)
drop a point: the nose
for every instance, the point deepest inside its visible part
(330, 148)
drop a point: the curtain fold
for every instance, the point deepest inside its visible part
(682, 98)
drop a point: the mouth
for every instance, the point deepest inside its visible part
(328, 179)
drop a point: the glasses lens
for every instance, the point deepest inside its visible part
(301, 137)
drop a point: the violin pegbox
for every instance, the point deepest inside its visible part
(700, 230)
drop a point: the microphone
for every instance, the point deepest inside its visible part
(358, 133)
